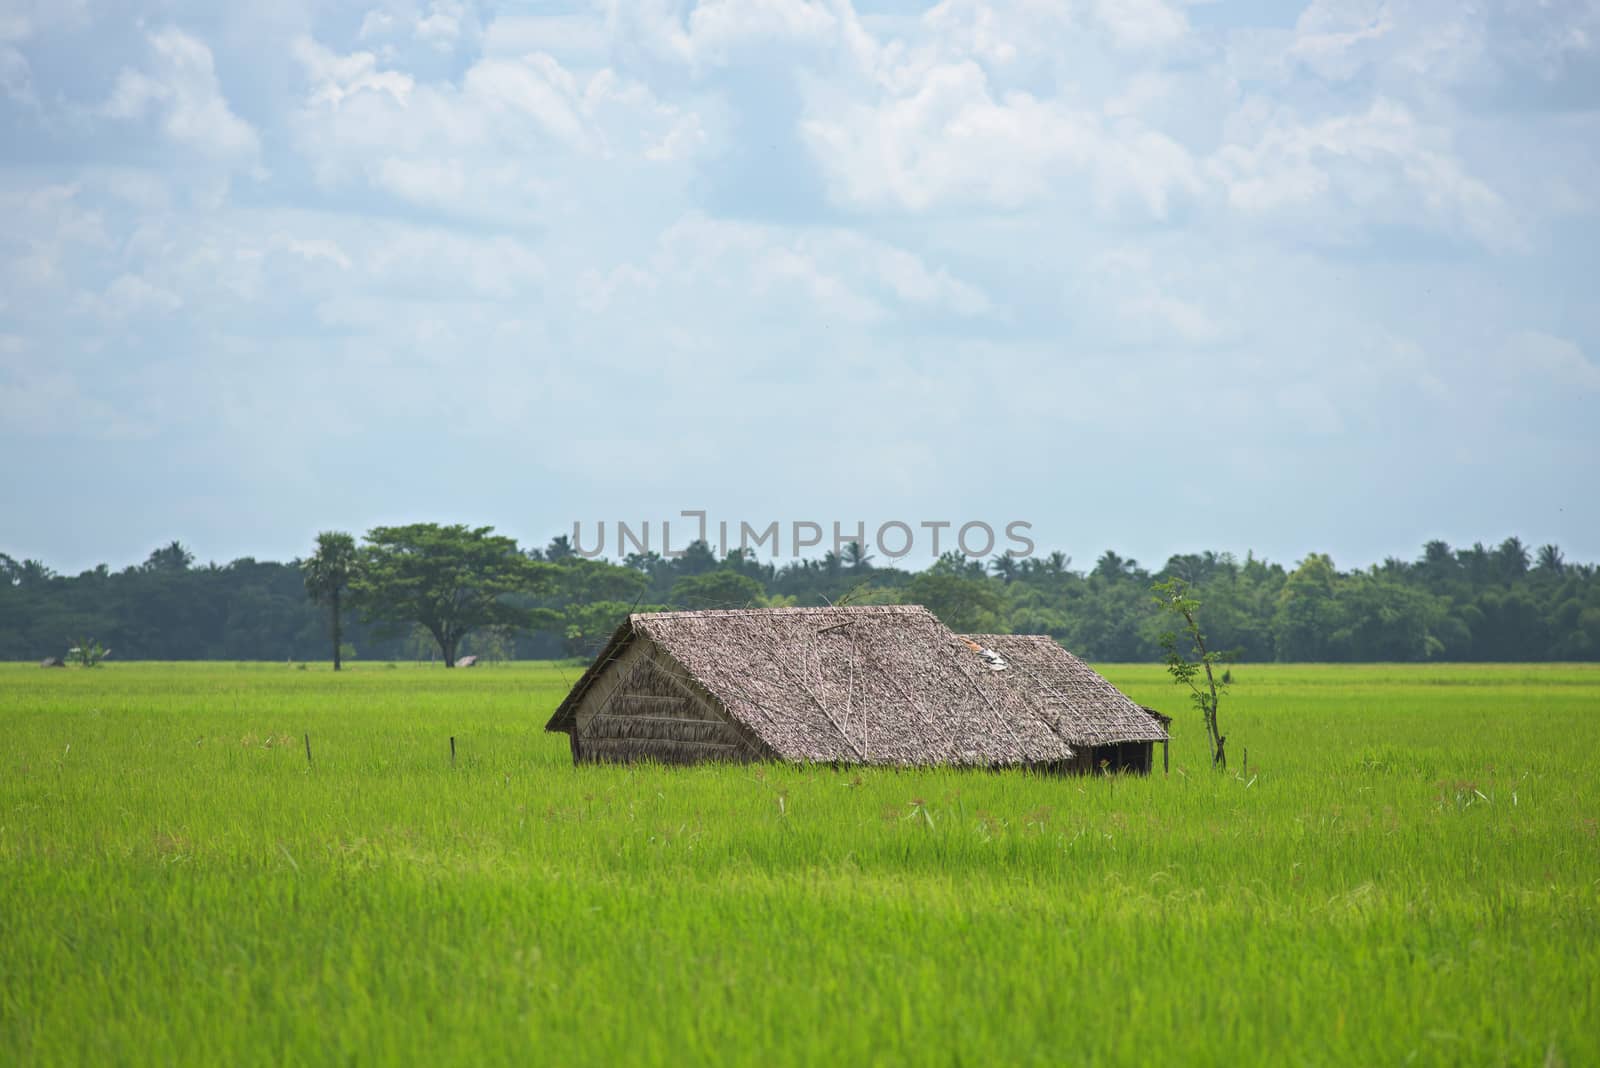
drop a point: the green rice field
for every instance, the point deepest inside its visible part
(1409, 872)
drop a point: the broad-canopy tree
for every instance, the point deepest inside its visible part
(591, 598)
(450, 580)
(967, 605)
(718, 589)
(1307, 613)
(328, 573)
(587, 626)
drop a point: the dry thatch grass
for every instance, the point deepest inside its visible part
(1082, 706)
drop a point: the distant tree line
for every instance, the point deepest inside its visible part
(1505, 603)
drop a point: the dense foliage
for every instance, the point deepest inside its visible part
(1479, 603)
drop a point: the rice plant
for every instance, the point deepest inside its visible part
(253, 864)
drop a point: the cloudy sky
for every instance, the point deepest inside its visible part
(1149, 275)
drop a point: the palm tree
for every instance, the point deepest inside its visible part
(29, 573)
(1004, 565)
(172, 557)
(1113, 567)
(1551, 560)
(328, 575)
(1438, 562)
(560, 548)
(856, 558)
(1512, 557)
(1475, 561)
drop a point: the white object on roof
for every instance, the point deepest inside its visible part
(996, 661)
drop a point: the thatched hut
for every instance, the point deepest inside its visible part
(1105, 728)
(881, 684)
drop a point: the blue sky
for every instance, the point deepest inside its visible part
(1150, 276)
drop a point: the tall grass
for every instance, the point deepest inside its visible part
(1409, 872)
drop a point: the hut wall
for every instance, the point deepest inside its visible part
(646, 709)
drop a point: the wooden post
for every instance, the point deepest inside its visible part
(1166, 765)
(452, 750)
(1247, 762)
(308, 750)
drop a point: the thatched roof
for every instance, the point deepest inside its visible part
(880, 684)
(1081, 705)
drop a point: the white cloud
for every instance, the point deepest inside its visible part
(1309, 407)
(940, 134)
(1190, 322)
(597, 289)
(907, 275)
(334, 77)
(719, 28)
(748, 275)
(311, 258)
(132, 294)
(21, 20)
(377, 23)
(441, 25)
(1555, 358)
(504, 142)
(535, 87)
(1335, 38)
(1153, 298)
(1337, 176)
(565, 36)
(1141, 23)
(1549, 41)
(1064, 44)
(719, 33)
(756, 262)
(313, 250)
(760, 272)
(51, 227)
(950, 141)
(16, 77)
(181, 87)
(40, 401)
(410, 261)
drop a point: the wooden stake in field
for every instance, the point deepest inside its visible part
(308, 750)
(452, 750)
